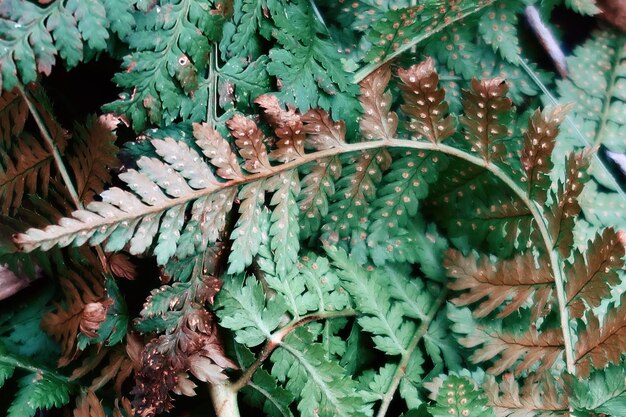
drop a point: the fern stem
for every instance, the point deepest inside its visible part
(24, 365)
(406, 356)
(58, 160)
(277, 337)
(422, 35)
(51, 146)
(211, 111)
(224, 399)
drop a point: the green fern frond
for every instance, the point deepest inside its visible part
(171, 48)
(39, 392)
(322, 386)
(603, 392)
(459, 396)
(597, 113)
(62, 28)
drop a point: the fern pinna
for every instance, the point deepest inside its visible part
(299, 318)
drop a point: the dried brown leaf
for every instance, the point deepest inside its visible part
(378, 121)
(505, 283)
(288, 128)
(601, 344)
(92, 316)
(322, 132)
(218, 150)
(425, 102)
(487, 110)
(250, 141)
(591, 275)
(539, 141)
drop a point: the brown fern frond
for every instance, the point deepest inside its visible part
(540, 396)
(27, 168)
(425, 102)
(85, 298)
(591, 275)
(322, 132)
(517, 352)
(218, 150)
(251, 144)
(487, 112)
(504, 283)
(13, 115)
(565, 208)
(601, 344)
(88, 405)
(378, 121)
(288, 128)
(92, 155)
(539, 141)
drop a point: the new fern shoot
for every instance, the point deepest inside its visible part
(314, 209)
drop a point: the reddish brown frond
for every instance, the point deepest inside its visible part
(288, 128)
(565, 208)
(84, 294)
(378, 121)
(27, 169)
(515, 352)
(487, 113)
(251, 144)
(539, 141)
(118, 369)
(92, 155)
(601, 344)
(13, 115)
(88, 405)
(317, 187)
(218, 150)
(590, 276)
(539, 396)
(425, 102)
(322, 132)
(504, 283)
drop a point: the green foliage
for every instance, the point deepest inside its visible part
(332, 233)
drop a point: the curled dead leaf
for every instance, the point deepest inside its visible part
(94, 314)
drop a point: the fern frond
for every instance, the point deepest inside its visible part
(565, 206)
(539, 141)
(168, 53)
(506, 284)
(498, 27)
(92, 154)
(588, 7)
(516, 352)
(82, 288)
(603, 392)
(381, 317)
(322, 385)
(597, 115)
(39, 392)
(540, 396)
(13, 115)
(424, 102)
(459, 396)
(378, 121)
(602, 343)
(590, 276)
(486, 118)
(62, 28)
